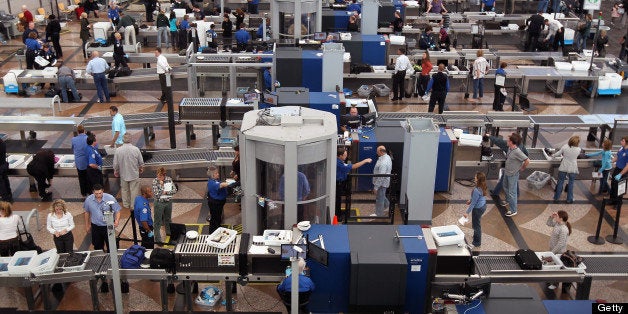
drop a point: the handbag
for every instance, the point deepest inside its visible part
(26, 241)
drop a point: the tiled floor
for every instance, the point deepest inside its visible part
(500, 233)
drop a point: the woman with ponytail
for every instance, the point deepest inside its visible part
(558, 238)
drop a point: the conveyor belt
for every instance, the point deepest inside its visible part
(485, 264)
(409, 115)
(95, 262)
(607, 266)
(206, 110)
(106, 265)
(130, 120)
(556, 119)
(173, 157)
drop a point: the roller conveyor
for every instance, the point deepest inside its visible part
(610, 267)
(567, 121)
(147, 75)
(464, 119)
(144, 120)
(208, 110)
(504, 268)
(173, 159)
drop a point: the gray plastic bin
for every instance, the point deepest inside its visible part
(538, 179)
(381, 90)
(365, 90)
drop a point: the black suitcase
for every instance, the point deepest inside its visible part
(528, 260)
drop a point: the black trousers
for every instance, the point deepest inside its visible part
(84, 182)
(120, 60)
(216, 208)
(341, 190)
(149, 5)
(498, 101)
(99, 237)
(64, 243)
(5, 184)
(437, 97)
(94, 176)
(532, 41)
(41, 185)
(559, 38)
(55, 43)
(398, 84)
(164, 86)
(147, 242)
(9, 247)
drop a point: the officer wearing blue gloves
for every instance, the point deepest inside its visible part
(488, 5)
(143, 216)
(620, 168)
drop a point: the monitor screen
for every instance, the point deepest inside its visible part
(176, 231)
(335, 36)
(270, 99)
(320, 36)
(250, 97)
(318, 254)
(352, 122)
(293, 250)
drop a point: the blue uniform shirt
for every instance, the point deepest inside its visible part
(488, 3)
(242, 36)
(95, 208)
(342, 170)
(260, 31)
(268, 80)
(141, 210)
(117, 124)
(185, 25)
(305, 284)
(93, 156)
(79, 145)
(114, 14)
(32, 44)
(215, 191)
(354, 7)
(622, 158)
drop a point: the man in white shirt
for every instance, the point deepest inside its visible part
(162, 68)
(401, 65)
(381, 184)
(555, 34)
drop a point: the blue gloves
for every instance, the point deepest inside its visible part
(618, 177)
(151, 234)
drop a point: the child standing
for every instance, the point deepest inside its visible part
(607, 164)
(615, 13)
(558, 238)
(477, 205)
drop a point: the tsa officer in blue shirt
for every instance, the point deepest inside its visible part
(620, 167)
(216, 198)
(79, 145)
(354, 6)
(143, 216)
(342, 170)
(94, 162)
(242, 36)
(94, 207)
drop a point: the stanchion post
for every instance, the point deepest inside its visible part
(596, 238)
(613, 238)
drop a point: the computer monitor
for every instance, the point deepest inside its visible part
(317, 254)
(293, 250)
(350, 121)
(369, 118)
(251, 97)
(320, 36)
(270, 99)
(335, 36)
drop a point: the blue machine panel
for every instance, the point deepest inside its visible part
(417, 274)
(367, 149)
(312, 69)
(443, 164)
(374, 48)
(326, 101)
(332, 282)
(341, 20)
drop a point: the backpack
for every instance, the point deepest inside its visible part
(162, 259)
(132, 257)
(571, 259)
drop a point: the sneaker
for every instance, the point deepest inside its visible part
(551, 287)
(510, 213)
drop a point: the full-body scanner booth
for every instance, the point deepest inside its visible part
(295, 15)
(288, 167)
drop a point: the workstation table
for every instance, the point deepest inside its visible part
(610, 122)
(563, 121)
(176, 159)
(27, 123)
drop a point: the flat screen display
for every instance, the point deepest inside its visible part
(317, 254)
(335, 36)
(293, 250)
(320, 36)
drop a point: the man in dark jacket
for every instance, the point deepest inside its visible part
(535, 24)
(53, 29)
(31, 29)
(42, 168)
(439, 84)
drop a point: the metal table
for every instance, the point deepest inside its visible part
(500, 119)
(173, 159)
(147, 57)
(24, 123)
(565, 121)
(537, 73)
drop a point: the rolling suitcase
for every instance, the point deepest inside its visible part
(528, 260)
